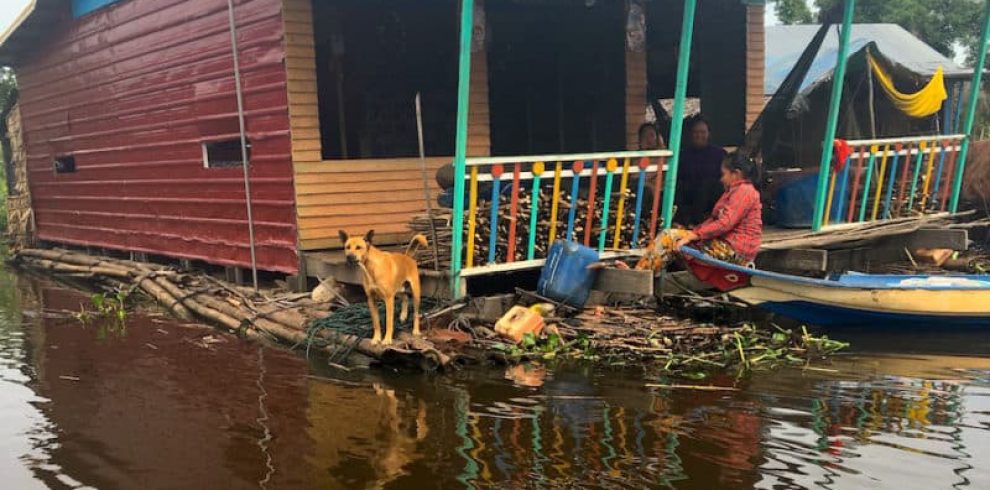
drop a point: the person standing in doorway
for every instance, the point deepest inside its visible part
(649, 138)
(698, 185)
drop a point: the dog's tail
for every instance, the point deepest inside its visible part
(417, 241)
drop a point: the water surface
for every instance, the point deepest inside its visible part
(166, 405)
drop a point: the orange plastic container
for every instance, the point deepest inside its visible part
(519, 321)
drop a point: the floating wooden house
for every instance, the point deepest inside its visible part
(133, 111)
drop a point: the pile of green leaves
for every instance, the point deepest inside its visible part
(750, 348)
(743, 349)
(547, 348)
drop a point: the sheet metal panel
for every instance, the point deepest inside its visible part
(132, 91)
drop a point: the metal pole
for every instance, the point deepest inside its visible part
(426, 183)
(244, 152)
(838, 79)
(974, 97)
(677, 125)
(460, 143)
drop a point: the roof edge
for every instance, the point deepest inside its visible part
(29, 9)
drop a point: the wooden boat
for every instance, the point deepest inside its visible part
(852, 299)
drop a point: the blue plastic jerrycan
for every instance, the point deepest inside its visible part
(565, 276)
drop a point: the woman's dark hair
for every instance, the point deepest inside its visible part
(651, 126)
(695, 120)
(747, 166)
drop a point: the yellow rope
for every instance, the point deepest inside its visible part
(922, 103)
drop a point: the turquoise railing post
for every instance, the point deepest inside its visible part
(460, 143)
(610, 169)
(974, 97)
(534, 209)
(677, 125)
(832, 123)
(496, 172)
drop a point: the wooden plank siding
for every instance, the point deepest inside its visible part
(358, 194)
(635, 96)
(131, 92)
(300, 67)
(755, 59)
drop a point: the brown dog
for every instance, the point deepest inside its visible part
(385, 276)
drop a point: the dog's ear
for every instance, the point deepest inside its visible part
(343, 236)
(370, 235)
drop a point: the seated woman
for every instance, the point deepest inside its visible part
(733, 231)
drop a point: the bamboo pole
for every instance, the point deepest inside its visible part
(833, 115)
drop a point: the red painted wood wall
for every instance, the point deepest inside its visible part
(131, 91)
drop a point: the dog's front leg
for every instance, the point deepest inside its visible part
(389, 318)
(375, 323)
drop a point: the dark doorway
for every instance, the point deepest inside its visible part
(372, 57)
(557, 76)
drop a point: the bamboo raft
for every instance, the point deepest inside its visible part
(241, 311)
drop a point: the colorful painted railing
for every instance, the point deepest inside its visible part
(891, 178)
(517, 206)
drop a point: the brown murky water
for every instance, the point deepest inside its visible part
(169, 406)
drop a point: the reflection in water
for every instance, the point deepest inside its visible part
(263, 420)
(165, 405)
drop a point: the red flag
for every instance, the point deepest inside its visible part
(841, 152)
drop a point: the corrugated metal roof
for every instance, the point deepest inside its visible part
(785, 44)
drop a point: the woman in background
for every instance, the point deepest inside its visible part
(698, 173)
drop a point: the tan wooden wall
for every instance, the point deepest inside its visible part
(755, 61)
(357, 195)
(300, 63)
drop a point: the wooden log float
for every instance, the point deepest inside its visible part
(265, 323)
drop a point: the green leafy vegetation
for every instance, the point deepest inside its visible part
(941, 23)
(743, 349)
(793, 12)
(108, 312)
(548, 348)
